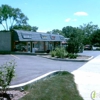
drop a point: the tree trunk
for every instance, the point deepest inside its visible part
(4, 27)
(6, 24)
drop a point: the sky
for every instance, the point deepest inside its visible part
(56, 14)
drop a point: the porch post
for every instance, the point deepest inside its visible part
(31, 46)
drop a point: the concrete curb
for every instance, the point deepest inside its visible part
(74, 60)
(34, 80)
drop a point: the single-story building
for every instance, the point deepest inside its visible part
(27, 41)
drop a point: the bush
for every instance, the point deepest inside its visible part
(53, 53)
(72, 56)
(7, 73)
(60, 52)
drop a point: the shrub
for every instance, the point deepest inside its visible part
(53, 53)
(60, 52)
(72, 56)
(7, 73)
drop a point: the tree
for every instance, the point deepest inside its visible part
(88, 30)
(13, 15)
(67, 31)
(95, 37)
(55, 31)
(25, 27)
(75, 41)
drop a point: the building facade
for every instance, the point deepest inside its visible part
(27, 41)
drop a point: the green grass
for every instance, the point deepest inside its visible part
(58, 87)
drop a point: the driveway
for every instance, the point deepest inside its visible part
(29, 67)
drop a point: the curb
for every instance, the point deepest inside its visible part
(35, 80)
(74, 60)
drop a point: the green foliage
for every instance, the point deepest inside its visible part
(88, 29)
(53, 53)
(75, 41)
(95, 37)
(7, 73)
(59, 52)
(55, 31)
(76, 38)
(67, 31)
(72, 56)
(25, 27)
(13, 15)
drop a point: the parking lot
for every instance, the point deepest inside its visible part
(29, 67)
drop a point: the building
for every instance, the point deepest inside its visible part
(5, 41)
(27, 41)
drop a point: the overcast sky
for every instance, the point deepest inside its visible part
(56, 14)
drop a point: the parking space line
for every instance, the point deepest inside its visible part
(15, 56)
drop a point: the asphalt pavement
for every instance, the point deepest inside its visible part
(30, 67)
(86, 73)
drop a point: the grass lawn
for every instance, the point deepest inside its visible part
(58, 87)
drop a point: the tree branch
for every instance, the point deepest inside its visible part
(3, 26)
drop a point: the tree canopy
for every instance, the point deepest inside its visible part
(11, 16)
(26, 27)
(67, 31)
(55, 31)
(95, 37)
(75, 41)
(88, 30)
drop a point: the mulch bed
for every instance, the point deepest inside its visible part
(16, 94)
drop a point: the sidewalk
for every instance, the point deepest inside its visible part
(87, 79)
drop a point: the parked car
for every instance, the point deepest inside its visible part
(88, 47)
(96, 46)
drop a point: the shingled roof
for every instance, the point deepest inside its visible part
(20, 35)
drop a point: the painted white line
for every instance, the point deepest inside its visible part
(15, 56)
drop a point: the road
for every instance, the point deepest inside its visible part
(90, 53)
(29, 67)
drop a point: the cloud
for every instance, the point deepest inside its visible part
(81, 14)
(74, 20)
(68, 19)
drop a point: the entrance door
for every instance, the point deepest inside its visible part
(33, 48)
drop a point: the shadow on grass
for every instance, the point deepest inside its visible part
(60, 86)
